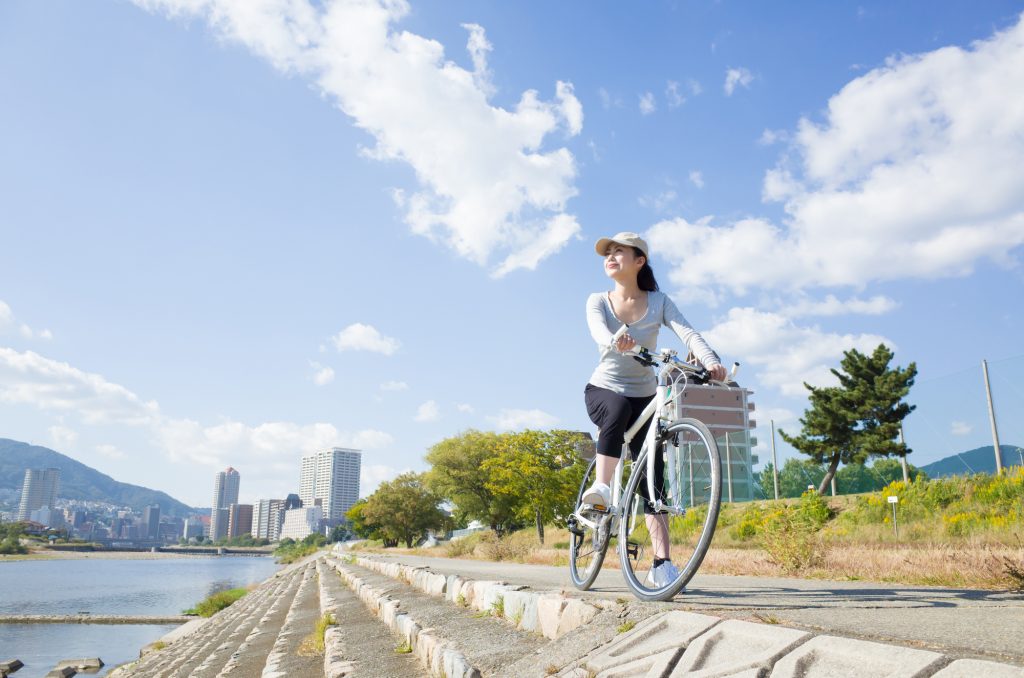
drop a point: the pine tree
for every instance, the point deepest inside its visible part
(859, 418)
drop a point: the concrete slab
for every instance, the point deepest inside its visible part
(734, 646)
(668, 631)
(972, 668)
(832, 656)
(653, 666)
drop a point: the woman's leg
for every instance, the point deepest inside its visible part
(657, 525)
(611, 413)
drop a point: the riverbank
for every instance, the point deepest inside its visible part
(51, 554)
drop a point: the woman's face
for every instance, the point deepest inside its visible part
(621, 262)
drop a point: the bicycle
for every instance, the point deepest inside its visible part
(690, 496)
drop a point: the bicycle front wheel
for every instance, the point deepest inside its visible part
(691, 497)
(587, 543)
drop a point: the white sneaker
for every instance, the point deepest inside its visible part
(598, 494)
(662, 575)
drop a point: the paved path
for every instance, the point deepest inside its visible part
(958, 622)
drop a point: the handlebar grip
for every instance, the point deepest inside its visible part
(618, 334)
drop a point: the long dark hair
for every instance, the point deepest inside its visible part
(645, 278)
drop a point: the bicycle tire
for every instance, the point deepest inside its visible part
(585, 546)
(702, 456)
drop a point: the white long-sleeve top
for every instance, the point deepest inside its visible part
(621, 373)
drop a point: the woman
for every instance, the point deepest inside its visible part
(620, 388)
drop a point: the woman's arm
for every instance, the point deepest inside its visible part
(596, 322)
(689, 336)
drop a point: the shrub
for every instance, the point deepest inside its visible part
(216, 602)
(515, 546)
(456, 548)
(791, 540)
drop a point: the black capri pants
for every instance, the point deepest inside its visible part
(613, 414)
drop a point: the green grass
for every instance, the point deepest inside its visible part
(217, 602)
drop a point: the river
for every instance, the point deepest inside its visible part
(163, 586)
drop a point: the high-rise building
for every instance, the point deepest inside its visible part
(39, 490)
(239, 520)
(225, 493)
(269, 515)
(333, 477)
(151, 522)
(299, 523)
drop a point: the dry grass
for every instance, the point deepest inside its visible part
(969, 565)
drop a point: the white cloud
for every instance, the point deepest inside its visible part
(511, 419)
(674, 97)
(394, 386)
(110, 451)
(912, 174)
(487, 183)
(960, 428)
(52, 386)
(30, 379)
(785, 354)
(697, 178)
(830, 306)
(695, 87)
(322, 375)
(428, 411)
(465, 408)
(63, 437)
(608, 100)
(659, 202)
(647, 104)
(371, 439)
(536, 246)
(372, 475)
(772, 136)
(360, 337)
(8, 323)
(737, 77)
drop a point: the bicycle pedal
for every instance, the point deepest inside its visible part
(597, 508)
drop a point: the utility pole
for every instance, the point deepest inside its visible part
(775, 461)
(903, 457)
(992, 418)
(728, 465)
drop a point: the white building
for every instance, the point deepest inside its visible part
(301, 522)
(269, 515)
(39, 490)
(225, 493)
(332, 476)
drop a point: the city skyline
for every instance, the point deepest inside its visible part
(245, 235)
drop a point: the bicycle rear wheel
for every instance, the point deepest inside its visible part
(692, 499)
(587, 544)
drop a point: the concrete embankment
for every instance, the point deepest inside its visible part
(397, 619)
(92, 619)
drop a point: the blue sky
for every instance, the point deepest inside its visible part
(234, 232)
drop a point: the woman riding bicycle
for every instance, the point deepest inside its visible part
(620, 387)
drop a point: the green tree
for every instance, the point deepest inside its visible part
(403, 509)
(542, 470)
(457, 475)
(858, 419)
(359, 523)
(888, 470)
(796, 474)
(855, 479)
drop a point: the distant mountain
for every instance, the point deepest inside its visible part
(978, 460)
(78, 481)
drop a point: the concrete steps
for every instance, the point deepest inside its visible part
(679, 643)
(361, 645)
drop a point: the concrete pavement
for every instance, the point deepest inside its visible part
(956, 622)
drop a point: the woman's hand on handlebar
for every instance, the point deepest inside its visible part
(718, 372)
(624, 343)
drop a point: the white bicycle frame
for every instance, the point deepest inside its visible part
(655, 410)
